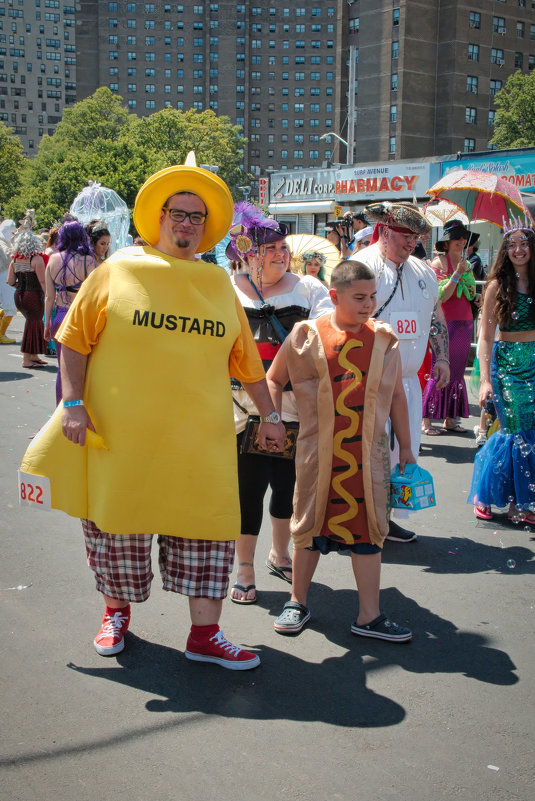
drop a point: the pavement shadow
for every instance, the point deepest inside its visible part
(287, 687)
(462, 451)
(463, 555)
(11, 376)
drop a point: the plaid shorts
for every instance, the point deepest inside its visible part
(122, 564)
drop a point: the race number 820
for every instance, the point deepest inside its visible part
(405, 325)
(34, 491)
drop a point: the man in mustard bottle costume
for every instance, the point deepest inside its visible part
(148, 346)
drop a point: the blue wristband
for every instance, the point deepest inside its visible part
(67, 404)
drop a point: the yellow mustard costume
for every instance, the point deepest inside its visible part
(163, 335)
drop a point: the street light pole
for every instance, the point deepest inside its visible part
(351, 106)
(343, 141)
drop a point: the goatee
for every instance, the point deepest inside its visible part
(182, 243)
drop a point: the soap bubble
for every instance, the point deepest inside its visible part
(511, 564)
(514, 315)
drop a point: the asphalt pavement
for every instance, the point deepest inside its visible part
(327, 715)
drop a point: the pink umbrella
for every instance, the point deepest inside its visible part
(481, 195)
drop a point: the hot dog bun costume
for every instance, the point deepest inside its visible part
(163, 335)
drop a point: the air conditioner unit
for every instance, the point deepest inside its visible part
(500, 62)
(473, 89)
(502, 31)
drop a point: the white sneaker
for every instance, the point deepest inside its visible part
(481, 436)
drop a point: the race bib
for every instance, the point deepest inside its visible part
(34, 491)
(406, 325)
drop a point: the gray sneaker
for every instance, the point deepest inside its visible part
(292, 618)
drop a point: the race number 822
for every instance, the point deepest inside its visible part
(34, 491)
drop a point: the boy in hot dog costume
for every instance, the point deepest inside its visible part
(407, 299)
(149, 343)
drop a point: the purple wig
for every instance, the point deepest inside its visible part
(72, 241)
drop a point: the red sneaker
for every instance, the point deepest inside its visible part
(219, 650)
(110, 639)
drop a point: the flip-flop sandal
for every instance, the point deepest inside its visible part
(39, 361)
(483, 512)
(455, 429)
(431, 431)
(243, 589)
(33, 366)
(280, 571)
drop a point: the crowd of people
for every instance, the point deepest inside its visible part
(340, 407)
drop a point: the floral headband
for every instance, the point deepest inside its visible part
(313, 255)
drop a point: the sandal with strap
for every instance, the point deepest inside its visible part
(482, 512)
(280, 571)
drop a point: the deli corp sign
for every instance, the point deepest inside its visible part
(378, 181)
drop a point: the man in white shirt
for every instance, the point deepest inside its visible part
(407, 298)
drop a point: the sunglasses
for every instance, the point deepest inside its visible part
(178, 215)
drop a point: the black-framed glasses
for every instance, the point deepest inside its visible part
(179, 215)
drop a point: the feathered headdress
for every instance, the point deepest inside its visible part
(24, 241)
(251, 228)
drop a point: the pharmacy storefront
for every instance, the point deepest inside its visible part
(305, 199)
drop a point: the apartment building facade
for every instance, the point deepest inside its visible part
(426, 71)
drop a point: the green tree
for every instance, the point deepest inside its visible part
(99, 116)
(83, 147)
(11, 164)
(514, 125)
(99, 140)
(172, 133)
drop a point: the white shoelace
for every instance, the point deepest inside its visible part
(113, 625)
(219, 639)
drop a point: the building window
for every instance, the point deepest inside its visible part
(532, 31)
(395, 16)
(392, 145)
(471, 84)
(496, 57)
(393, 113)
(394, 82)
(494, 87)
(469, 145)
(473, 52)
(395, 49)
(470, 115)
(492, 117)
(520, 29)
(498, 25)
(519, 61)
(475, 19)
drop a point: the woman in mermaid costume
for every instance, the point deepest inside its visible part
(504, 469)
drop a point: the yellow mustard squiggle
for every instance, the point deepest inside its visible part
(347, 456)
